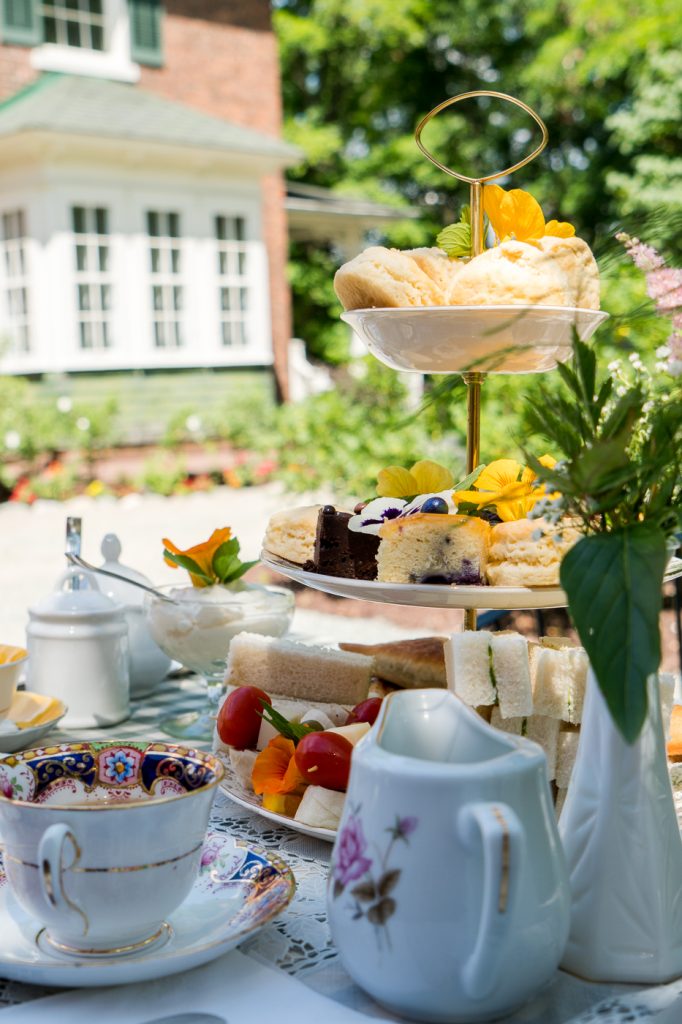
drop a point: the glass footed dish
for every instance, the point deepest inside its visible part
(196, 629)
(486, 339)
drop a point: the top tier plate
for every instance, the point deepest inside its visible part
(457, 339)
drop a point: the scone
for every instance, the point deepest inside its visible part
(438, 266)
(290, 533)
(428, 548)
(575, 258)
(512, 273)
(528, 553)
(385, 277)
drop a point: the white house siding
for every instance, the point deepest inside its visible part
(47, 194)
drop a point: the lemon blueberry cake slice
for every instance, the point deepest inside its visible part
(431, 548)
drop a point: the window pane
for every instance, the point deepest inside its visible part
(105, 297)
(86, 334)
(103, 257)
(83, 296)
(240, 336)
(220, 229)
(101, 221)
(175, 261)
(159, 335)
(106, 335)
(241, 263)
(227, 332)
(50, 28)
(239, 228)
(177, 334)
(73, 35)
(95, 6)
(153, 224)
(78, 215)
(173, 225)
(177, 298)
(157, 298)
(97, 37)
(222, 263)
(71, 5)
(243, 299)
(81, 257)
(225, 299)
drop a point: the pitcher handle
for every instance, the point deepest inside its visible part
(51, 871)
(503, 839)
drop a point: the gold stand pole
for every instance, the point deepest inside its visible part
(475, 380)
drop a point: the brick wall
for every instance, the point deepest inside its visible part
(220, 57)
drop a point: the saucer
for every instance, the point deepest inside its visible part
(239, 889)
(12, 742)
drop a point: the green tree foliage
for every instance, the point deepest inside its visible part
(604, 74)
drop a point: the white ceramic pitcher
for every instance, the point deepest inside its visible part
(448, 892)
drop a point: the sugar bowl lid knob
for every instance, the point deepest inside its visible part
(111, 547)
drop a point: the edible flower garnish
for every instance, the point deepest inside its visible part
(425, 477)
(517, 214)
(275, 771)
(216, 560)
(506, 487)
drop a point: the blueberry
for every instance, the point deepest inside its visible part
(328, 510)
(435, 505)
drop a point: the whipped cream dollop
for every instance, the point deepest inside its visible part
(379, 510)
(197, 629)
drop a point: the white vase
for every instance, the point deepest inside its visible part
(624, 851)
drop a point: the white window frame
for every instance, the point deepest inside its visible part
(97, 282)
(167, 280)
(112, 62)
(13, 254)
(235, 285)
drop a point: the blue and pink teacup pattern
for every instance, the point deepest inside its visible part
(71, 773)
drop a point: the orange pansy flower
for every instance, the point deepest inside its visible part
(202, 554)
(517, 214)
(275, 770)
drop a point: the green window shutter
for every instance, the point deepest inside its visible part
(146, 18)
(21, 22)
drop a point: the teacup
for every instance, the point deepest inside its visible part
(12, 661)
(103, 840)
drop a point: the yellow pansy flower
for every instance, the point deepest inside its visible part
(425, 477)
(517, 214)
(201, 554)
(507, 487)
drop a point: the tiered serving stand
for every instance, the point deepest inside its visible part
(473, 341)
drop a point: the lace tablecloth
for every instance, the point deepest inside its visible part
(299, 941)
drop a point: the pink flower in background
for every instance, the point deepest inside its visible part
(350, 860)
(664, 286)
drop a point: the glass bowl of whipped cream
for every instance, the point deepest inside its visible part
(196, 626)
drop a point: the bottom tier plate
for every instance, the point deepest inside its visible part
(433, 595)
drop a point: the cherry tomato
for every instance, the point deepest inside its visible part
(367, 711)
(239, 718)
(323, 758)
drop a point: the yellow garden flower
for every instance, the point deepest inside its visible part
(517, 214)
(507, 487)
(200, 554)
(425, 477)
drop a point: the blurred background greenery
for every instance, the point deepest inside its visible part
(357, 76)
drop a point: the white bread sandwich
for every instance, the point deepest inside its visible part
(511, 671)
(559, 677)
(285, 668)
(468, 665)
(567, 748)
(542, 730)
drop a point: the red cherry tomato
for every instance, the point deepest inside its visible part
(367, 711)
(239, 718)
(323, 758)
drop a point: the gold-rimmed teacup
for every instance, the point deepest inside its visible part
(103, 840)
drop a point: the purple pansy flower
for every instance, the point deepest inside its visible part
(375, 513)
(350, 860)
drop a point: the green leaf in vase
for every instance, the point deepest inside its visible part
(614, 586)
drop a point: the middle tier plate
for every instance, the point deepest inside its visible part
(424, 595)
(490, 339)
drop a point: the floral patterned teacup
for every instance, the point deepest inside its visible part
(103, 840)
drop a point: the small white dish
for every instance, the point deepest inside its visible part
(12, 742)
(12, 663)
(490, 339)
(239, 889)
(232, 785)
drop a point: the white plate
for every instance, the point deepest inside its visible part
(239, 888)
(235, 789)
(11, 742)
(434, 595)
(453, 339)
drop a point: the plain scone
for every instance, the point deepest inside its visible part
(388, 277)
(290, 533)
(528, 553)
(512, 273)
(286, 668)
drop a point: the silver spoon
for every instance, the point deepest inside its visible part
(82, 564)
